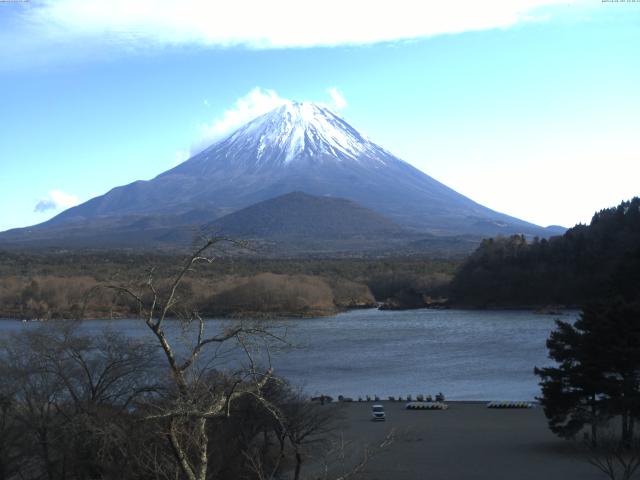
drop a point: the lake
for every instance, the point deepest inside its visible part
(466, 354)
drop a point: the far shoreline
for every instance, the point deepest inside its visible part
(544, 310)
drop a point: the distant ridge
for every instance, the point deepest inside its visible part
(299, 215)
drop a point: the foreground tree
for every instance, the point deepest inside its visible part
(195, 400)
(613, 458)
(598, 372)
(67, 401)
(206, 409)
(75, 405)
(12, 457)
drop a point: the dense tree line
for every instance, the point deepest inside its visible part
(55, 285)
(105, 265)
(586, 263)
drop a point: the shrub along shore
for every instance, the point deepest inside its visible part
(68, 285)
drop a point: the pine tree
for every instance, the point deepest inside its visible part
(598, 372)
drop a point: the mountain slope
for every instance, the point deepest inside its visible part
(296, 147)
(297, 224)
(298, 215)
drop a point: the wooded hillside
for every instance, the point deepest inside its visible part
(588, 262)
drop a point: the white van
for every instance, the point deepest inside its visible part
(377, 412)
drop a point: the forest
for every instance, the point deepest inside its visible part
(587, 263)
(66, 284)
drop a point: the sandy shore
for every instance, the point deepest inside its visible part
(467, 441)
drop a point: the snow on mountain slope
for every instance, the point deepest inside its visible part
(298, 128)
(294, 134)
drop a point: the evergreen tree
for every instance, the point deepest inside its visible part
(586, 263)
(598, 372)
(572, 392)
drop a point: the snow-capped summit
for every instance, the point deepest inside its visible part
(296, 130)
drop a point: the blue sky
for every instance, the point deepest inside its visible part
(528, 107)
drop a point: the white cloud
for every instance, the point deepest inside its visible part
(55, 200)
(271, 24)
(255, 103)
(339, 102)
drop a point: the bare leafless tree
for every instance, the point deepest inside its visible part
(12, 457)
(308, 427)
(195, 402)
(343, 461)
(301, 435)
(68, 399)
(618, 460)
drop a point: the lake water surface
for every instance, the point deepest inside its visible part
(466, 354)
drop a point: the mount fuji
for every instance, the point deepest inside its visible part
(297, 147)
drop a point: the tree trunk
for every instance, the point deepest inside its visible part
(178, 450)
(626, 441)
(44, 442)
(298, 465)
(204, 445)
(594, 420)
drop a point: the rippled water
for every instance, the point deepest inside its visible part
(466, 354)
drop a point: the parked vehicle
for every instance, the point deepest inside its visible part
(377, 413)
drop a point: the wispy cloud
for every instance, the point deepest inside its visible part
(55, 200)
(255, 103)
(339, 102)
(259, 24)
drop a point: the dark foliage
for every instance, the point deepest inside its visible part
(77, 406)
(598, 372)
(586, 263)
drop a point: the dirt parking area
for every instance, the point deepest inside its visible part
(467, 441)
